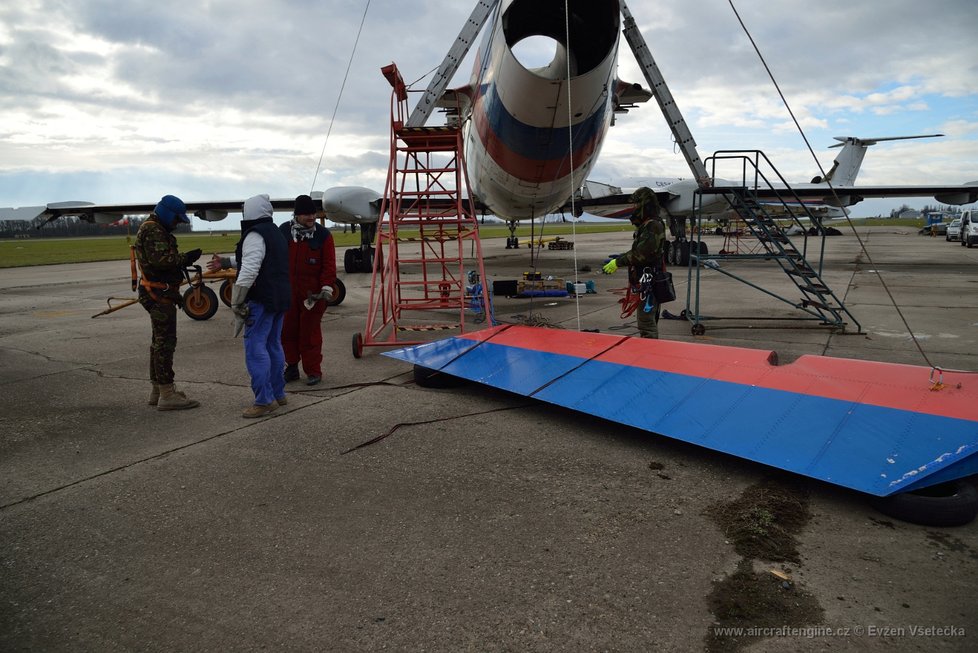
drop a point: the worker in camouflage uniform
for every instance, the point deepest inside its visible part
(161, 266)
(647, 253)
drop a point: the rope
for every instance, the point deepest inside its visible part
(862, 245)
(329, 129)
(535, 321)
(570, 153)
(629, 303)
(430, 421)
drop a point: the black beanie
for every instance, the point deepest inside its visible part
(304, 206)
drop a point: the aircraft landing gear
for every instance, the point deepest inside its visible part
(512, 242)
(361, 259)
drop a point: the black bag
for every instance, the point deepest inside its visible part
(662, 288)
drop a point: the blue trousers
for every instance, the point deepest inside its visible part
(264, 357)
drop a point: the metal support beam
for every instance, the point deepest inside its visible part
(662, 95)
(451, 63)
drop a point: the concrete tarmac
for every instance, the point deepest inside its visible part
(483, 521)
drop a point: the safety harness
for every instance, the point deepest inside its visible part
(639, 294)
(150, 286)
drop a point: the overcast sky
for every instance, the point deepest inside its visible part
(112, 102)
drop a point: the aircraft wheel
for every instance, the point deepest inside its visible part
(948, 504)
(226, 288)
(350, 261)
(698, 329)
(357, 345)
(339, 293)
(367, 261)
(200, 303)
(684, 253)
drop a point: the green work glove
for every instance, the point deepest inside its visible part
(610, 267)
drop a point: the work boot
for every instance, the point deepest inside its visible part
(283, 401)
(313, 379)
(154, 395)
(259, 410)
(173, 399)
(292, 372)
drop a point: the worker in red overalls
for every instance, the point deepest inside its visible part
(312, 273)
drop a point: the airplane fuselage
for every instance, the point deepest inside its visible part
(518, 140)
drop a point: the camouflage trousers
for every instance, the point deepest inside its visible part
(163, 317)
(648, 323)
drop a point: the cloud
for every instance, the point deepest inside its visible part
(98, 98)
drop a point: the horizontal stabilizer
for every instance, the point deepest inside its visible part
(873, 141)
(879, 428)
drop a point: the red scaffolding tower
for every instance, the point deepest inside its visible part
(426, 221)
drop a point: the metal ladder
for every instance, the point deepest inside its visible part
(425, 211)
(764, 222)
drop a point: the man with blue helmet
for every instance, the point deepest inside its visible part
(161, 267)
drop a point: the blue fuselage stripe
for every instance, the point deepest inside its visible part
(537, 143)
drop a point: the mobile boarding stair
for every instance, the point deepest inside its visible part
(768, 223)
(426, 222)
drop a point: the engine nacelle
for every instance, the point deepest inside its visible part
(211, 215)
(958, 198)
(107, 218)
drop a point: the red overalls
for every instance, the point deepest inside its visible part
(312, 265)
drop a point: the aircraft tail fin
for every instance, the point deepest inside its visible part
(846, 165)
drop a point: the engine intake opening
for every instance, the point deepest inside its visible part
(594, 26)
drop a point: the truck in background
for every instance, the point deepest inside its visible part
(934, 224)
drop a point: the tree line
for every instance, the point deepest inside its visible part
(71, 227)
(951, 210)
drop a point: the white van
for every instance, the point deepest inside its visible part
(969, 227)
